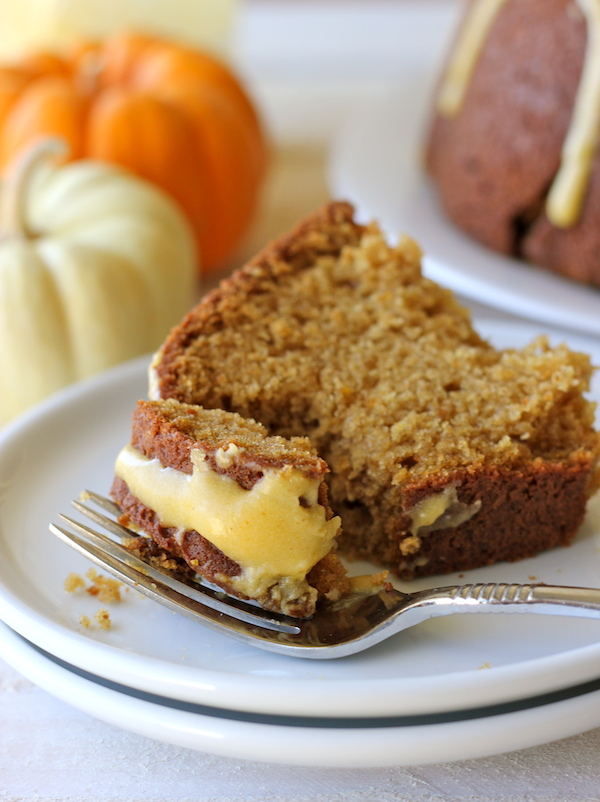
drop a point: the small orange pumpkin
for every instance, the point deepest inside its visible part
(170, 114)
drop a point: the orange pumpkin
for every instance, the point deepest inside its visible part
(175, 116)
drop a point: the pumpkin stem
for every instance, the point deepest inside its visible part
(15, 187)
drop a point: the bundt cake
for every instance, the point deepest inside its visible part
(246, 511)
(445, 453)
(513, 145)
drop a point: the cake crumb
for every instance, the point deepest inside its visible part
(485, 665)
(106, 589)
(410, 545)
(103, 619)
(73, 583)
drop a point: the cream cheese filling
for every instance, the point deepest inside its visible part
(276, 531)
(439, 511)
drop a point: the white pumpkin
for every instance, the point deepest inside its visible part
(96, 265)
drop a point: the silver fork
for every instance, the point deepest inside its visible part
(335, 630)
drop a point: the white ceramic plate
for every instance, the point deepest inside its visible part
(464, 662)
(377, 164)
(331, 743)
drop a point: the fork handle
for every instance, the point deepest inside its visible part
(501, 597)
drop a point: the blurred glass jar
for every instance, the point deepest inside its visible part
(30, 25)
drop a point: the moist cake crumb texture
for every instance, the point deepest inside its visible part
(445, 453)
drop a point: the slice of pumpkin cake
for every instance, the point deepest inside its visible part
(246, 511)
(445, 453)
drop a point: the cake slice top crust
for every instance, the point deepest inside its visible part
(170, 430)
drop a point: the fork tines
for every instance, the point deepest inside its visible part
(189, 598)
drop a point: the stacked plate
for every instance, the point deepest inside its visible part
(449, 689)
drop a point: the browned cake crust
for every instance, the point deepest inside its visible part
(331, 333)
(494, 161)
(168, 431)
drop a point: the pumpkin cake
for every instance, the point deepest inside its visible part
(246, 511)
(446, 454)
(513, 146)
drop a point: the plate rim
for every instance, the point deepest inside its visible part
(313, 747)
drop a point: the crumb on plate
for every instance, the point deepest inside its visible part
(73, 583)
(103, 618)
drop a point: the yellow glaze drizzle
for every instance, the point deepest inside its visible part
(472, 36)
(567, 193)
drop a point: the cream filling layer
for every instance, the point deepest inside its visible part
(276, 531)
(439, 511)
